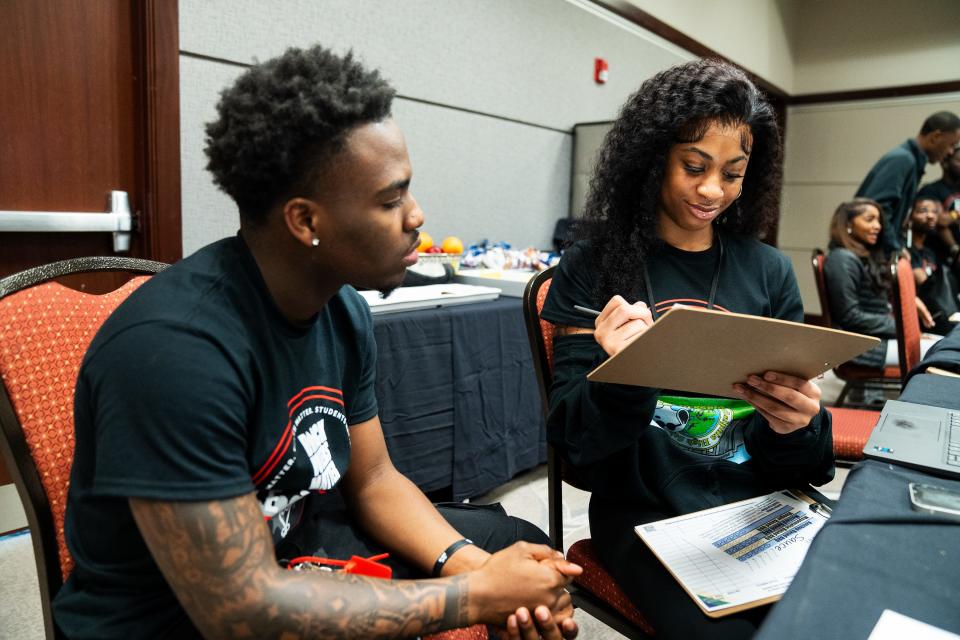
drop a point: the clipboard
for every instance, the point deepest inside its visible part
(706, 351)
(737, 556)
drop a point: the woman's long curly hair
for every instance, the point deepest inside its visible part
(873, 258)
(677, 105)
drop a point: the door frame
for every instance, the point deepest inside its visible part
(158, 123)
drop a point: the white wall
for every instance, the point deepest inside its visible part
(492, 156)
(587, 140)
(829, 150)
(843, 45)
(819, 46)
(756, 34)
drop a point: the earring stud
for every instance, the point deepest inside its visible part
(315, 242)
(849, 230)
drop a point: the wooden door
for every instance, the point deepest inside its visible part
(89, 103)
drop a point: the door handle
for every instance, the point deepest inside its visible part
(118, 220)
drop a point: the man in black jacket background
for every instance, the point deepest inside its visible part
(894, 179)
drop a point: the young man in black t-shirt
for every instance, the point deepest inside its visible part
(946, 242)
(226, 417)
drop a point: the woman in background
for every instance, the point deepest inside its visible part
(687, 180)
(858, 282)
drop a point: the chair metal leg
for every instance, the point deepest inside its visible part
(843, 395)
(554, 498)
(583, 599)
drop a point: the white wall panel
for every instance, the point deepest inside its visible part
(808, 286)
(844, 45)
(479, 177)
(492, 157)
(530, 60)
(475, 177)
(208, 214)
(810, 208)
(756, 34)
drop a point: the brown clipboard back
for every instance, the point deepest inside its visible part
(705, 351)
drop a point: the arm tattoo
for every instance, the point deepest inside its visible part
(218, 558)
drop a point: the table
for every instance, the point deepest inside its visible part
(876, 552)
(458, 395)
(945, 354)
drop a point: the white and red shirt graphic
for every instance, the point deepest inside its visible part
(311, 454)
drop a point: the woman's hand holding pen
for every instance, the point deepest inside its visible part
(619, 322)
(787, 402)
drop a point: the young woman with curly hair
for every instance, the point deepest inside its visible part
(687, 181)
(857, 274)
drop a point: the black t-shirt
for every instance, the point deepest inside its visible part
(940, 192)
(754, 279)
(197, 388)
(950, 199)
(622, 439)
(923, 258)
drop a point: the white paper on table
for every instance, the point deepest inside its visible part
(896, 626)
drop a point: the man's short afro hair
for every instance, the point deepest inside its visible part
(283, 119)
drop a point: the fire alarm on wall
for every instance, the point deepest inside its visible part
(600, 70)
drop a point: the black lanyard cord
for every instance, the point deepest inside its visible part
(652, 303)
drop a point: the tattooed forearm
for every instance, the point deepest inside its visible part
(218, 559)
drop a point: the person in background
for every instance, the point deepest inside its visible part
(946, 191)
(226, 422)
(687, 179)
(893, 180)
(936, 290)
(857, 275)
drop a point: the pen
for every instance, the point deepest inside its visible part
(817, 507)
(821, 509)
(586, 310)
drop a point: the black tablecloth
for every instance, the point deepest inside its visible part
(458, 395)
(934, 390)
(945, 354)
(876, 552)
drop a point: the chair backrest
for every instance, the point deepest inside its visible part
(905, 316)
(541, 334)
(45, 329)
(818, 259)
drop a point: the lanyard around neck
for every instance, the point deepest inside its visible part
(652, 302)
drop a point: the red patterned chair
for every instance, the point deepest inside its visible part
(594, 590)
(851, 430)
(45, 328)
(853, 375)
(477, 632)
(905, 316)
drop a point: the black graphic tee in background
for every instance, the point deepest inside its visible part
(197, 388)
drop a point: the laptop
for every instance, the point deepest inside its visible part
(918, 436)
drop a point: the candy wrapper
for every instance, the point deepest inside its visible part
(499, 256)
